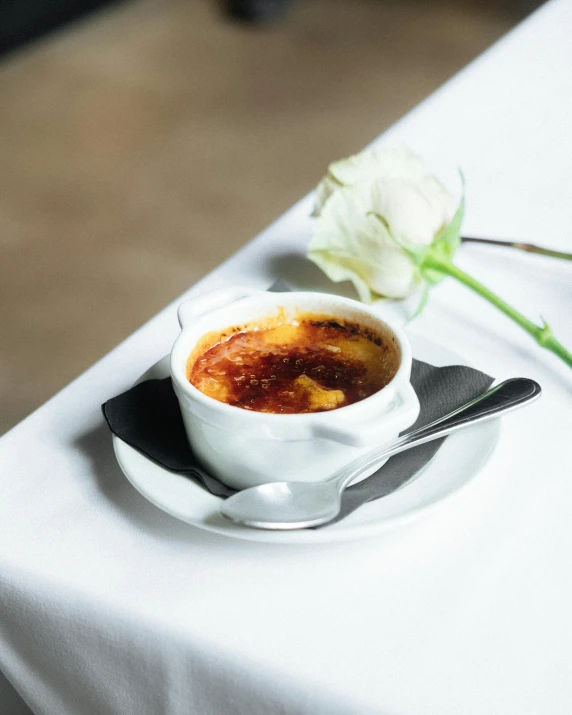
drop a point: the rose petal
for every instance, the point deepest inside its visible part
(369, 206)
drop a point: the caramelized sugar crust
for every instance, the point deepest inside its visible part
(302, 366)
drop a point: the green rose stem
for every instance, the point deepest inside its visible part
(542, 334)
(528, 247)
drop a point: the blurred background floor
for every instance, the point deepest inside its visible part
(143, 144)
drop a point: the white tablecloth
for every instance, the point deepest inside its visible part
(111, 607)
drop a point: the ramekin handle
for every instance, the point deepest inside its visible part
(402, 411)
(207, 302)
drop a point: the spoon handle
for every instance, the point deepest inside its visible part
(506, 396)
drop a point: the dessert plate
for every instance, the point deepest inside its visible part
(457, 462)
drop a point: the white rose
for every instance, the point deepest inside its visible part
(366, 207)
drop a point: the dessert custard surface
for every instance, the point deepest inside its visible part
(311, 364)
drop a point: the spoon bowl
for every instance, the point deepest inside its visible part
(290, 505)
(285, 505)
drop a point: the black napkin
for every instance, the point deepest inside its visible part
(148, 418)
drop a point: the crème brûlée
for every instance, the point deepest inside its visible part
(310, 364)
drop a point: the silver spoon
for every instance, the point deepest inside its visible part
(298, 505)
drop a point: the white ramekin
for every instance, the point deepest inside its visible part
(244, 448)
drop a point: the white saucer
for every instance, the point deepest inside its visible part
(456, 463)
